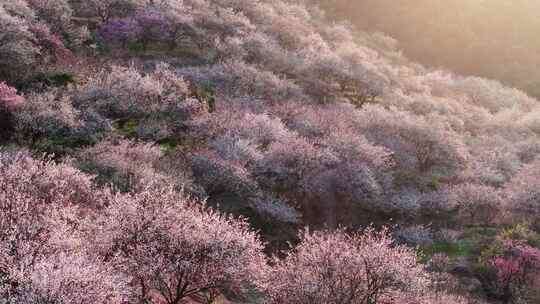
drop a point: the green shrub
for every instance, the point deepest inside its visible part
(61, 79)
(521, 232)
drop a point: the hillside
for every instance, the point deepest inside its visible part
(163, 151)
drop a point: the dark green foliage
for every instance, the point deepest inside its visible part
(136, 47)
(61, 79)
(59, 142)
(6, 125)
(44, 81)
(169, 144)
(488, 277)
(107, 176)
(127, 127)
(206, 94)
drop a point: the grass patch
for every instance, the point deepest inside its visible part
(457, 249)
(479, 232)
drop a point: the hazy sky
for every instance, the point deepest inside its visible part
(497, 39)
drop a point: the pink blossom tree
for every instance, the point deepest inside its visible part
(171, 247)
(18, 51)
(125, 91)
(518, 269)
(128, 165)
(523, 191)
(55, 13)
(429, 298)
(26, 39)
(424, 148)
(106, 9)
(41, 257)
(63, 278)
(36, 197)
(9, 97)
(476, 203)
(50, 43)
(121, 30)
(333, 267)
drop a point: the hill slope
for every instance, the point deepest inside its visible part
(268, 110)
